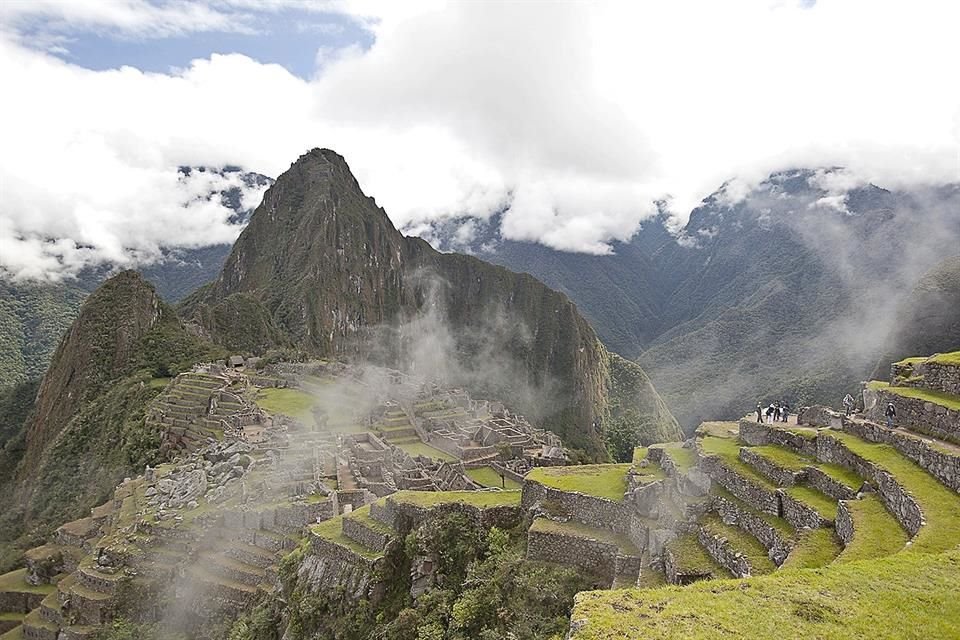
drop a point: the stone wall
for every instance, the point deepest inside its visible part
(939, 377)
(942, 465)
(675, 575)
(917, 415)
(819, 416)
(780, 476)
(726, 556)
(844, 523)
(799, 515)
(817, 479)
(408, 516)
(331, 566)
(755, 434)
(592, 556)
(754, 495)
(778, 546)
(366, 536)
(589, 510)
(900, 503)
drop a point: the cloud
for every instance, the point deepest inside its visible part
(574, 117)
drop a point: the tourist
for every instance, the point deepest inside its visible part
(784, 411)
(771, 411)
(847, 404)
(890, 413)
(759, 412)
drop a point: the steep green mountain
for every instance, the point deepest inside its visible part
(84, 429)
(321, 267)
(33, 316)
(928, 321)
(786, 293)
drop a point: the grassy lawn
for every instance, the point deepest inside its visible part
(719, 429)
(817, 500)
(479, 499)
(693, 558)
(418, 448)
(909, 596)
(332, 530)
(814, 548)
(940, 505)
(578, 530)
(600, 480)
(876, 533)
(937, 397)
(15, 581)
(746, 544)
(158, 383)
(488, 477)
(288, 402)
(784, 458)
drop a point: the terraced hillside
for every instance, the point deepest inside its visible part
(839, 526)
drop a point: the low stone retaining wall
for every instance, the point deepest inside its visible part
(592, 556)
(943, 466)
(726, 556)
(799, 515)
(589, 510)
(777, 545)
(365, 535)
(817, 479)
(917, 415)
(939, 377)
(19, 602)
(844, 523)
(900, 503)
(754, 434)
(408, 516)
(780, 476)
(331, 566)
(754, 495)
(676, 575)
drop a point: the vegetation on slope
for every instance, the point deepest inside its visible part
(908, 596)
(600, 480)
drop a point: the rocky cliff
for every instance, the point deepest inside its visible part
(334, 276)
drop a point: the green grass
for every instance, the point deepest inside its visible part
(479, 499)
(817, 500)
(15, 581)
(784, 458)
(362, 515)
(288, 402)
(906, 597)
(814, 548)
(693, 558)
(419, 448)
(332, 530)
(876, 533)
(14, 634)
(6, 616)
(729, 451)
(600, 480)
(685, 459)
(639, 453)
(158, 383)
(940, 506)
(947, 358)
(926, 395)
(488, 477)
(719, 429)
(578, 530)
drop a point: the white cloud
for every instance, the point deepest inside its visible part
(577, 115)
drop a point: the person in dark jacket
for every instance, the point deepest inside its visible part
(759, 413)
(890, 412)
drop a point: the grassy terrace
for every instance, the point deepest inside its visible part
(14, 634)
(937, 397)
(940, 506)
(750, 547)
(906, 597)
(876, 533)
(418, 448)
(577, 530)
(15, 581)
(693, 558)
(728, 450)
(947, 358)
(781, 525)
(288, 402)
(600, 480)
(488, 477)
(332, 530)
(685, 459)
(795, 462)
(814, 548)
(362, 515)
(817, 500)
(479, 499)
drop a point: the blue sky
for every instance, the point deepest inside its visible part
(288, 37)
